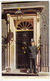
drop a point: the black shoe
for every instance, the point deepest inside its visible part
(35, 72)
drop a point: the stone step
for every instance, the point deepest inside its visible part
(27, 74)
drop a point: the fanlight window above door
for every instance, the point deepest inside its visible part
(24, 25)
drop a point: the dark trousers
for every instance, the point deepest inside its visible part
(32, 65)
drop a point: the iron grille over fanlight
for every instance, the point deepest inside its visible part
(24, 25)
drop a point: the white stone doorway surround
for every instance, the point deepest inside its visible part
(12, 51)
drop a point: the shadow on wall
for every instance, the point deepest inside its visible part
(9, 36)
(6, 40)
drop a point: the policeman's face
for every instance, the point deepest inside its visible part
(32, 43)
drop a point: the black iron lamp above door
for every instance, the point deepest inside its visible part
(19, 14)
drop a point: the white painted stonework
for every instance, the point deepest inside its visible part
(13, 40)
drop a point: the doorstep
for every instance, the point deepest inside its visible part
(17, 72)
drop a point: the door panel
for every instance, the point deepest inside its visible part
(23, 39)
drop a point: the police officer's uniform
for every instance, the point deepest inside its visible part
(32, 56)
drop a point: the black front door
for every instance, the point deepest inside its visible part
(23, 39)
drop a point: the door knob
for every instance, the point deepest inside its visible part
(22, 47)
(24, 51)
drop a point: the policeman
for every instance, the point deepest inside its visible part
(32, 55)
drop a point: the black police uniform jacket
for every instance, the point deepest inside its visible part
(32, 51)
